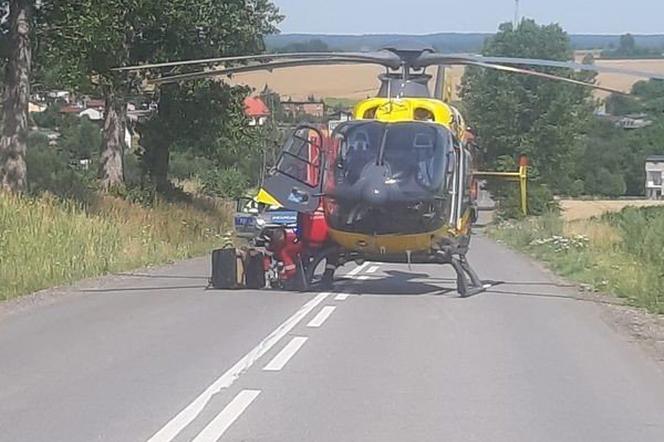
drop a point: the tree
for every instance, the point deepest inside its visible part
(627, 45)
(88, 38)
(515, 114)
(203, 117)
(206, 116)
(13, 143)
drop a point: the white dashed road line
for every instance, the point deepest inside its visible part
(189, 413)
(341, 297)
(321, 317)
(282, 358)
(221, 423)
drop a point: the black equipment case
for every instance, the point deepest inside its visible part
(235, 269)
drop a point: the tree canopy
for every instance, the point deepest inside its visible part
(515, 115)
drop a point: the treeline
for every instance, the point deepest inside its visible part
(75, 46)
(448, 42)
(573, 150)
(628, 48)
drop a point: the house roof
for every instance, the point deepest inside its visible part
(655, 158)
(255, 107)
(71, 109)
(93, 102)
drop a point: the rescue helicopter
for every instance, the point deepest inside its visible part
(396, 184)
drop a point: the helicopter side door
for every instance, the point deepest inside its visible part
(296, 180)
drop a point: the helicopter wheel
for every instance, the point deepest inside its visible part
(318, 275)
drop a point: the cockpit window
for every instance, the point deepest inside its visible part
(359, 147)
(413, 153)
(416, 153)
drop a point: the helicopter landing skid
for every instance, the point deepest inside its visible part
(468, 283)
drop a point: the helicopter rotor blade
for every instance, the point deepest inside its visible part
(428, 59)
(261, 67)
(516, 70)
(382, 57)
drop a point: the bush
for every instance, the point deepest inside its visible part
(228, 183)
(540, 201)
(82, 140)
(51, 171)
(132, 170)
(184, 165)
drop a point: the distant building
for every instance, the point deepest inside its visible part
(256, 110)
(36, 107)
(655, 177)
(337, 118)
(93, 114)
(72, 109)
(311, 108)
(634, 122)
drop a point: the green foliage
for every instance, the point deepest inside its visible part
(514, 114)
(619, 253)
(185, 165)
(46, 242)
(228, 183)
(50, 171)
(49, 119)
(82, 140)
(627, 48)
(313, 45)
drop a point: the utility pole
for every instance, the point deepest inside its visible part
(516, 14)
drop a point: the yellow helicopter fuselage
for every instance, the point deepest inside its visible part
(394, 110)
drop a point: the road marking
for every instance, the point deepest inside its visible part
(282, 358)
(357, 270)
(362, 278)
(321, 317)
(341, 297)
(191, 411)
(372, 269)
(221, 423)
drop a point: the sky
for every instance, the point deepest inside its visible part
(430, 16)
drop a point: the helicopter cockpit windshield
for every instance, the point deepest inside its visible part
(388, 177)
(410, 156)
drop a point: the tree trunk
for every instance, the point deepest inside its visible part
(160, 171)
(113, 146)
(13, 144)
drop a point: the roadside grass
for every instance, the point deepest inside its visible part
(46, 242)
(620, 253)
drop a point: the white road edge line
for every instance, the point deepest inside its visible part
(341, 297)
(221, 423)
(191, 411)
(321, 317)
(372, 269)
(285, 355)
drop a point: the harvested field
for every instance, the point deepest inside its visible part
(579, 209)
(359, 81)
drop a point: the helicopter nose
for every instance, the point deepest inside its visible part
(375, 192)
(375, 195)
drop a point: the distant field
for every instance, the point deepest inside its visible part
(359, 81)
(352, 82)
(576, 209)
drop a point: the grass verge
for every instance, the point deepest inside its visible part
(620, 253)
(46, 242)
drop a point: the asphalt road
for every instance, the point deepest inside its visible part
(395, 355)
